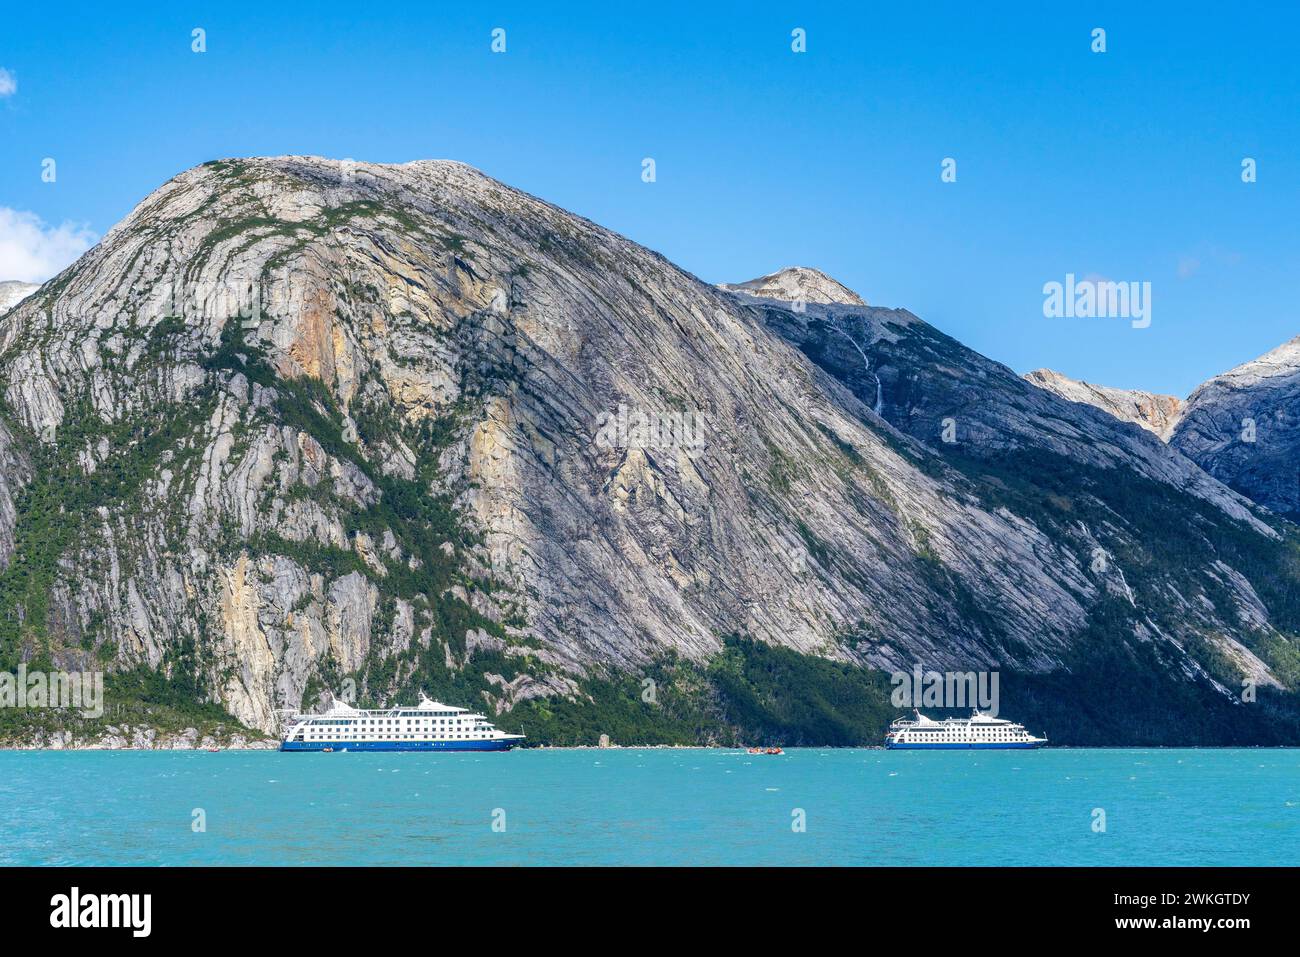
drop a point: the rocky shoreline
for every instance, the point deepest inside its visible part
(127, 738)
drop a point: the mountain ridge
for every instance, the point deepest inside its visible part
(1239, 426)
(1243, 427)
(1157, 413)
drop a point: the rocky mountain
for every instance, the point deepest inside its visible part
(298, 425)
(1243, 427)
(797, 284)
(13, 292)
(1156, 413)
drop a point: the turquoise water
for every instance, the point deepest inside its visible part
(1229, 807)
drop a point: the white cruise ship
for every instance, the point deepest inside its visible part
(978, 731)
(429, 726)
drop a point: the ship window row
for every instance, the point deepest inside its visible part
(382, 731)
(387, 737)
(414, 715)
(418, 734)
(386, 723)
(946, 733)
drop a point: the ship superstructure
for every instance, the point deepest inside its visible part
(980, 730)
(429, 726)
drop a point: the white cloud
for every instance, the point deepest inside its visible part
(1205, 254)
(8, 83)
(31, 251)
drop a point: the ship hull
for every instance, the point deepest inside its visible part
(397, 745)
(965, 746)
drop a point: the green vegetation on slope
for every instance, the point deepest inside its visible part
(57, 510)
(750, 693)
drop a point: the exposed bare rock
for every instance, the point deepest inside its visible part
(15, 471)
(1158, 414)
(797, 284)
(1243, 427)
(956, 401)
(13, 292)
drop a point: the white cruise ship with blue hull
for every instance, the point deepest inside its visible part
(429, 726)
(978, 732)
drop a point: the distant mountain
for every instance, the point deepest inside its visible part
(298, 425)
(797, 284)
(1243, 427)
(13, 292)
(1153, 412)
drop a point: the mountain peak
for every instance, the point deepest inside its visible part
(1282, 361)
(798, 283)
(1240, 426)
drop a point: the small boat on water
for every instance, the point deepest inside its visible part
(765, 751)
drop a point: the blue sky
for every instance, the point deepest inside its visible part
(1124, 164)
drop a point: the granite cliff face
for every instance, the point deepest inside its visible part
(1243, 427)
(298, 423)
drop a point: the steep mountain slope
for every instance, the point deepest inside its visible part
(1180, 561)
(1243, 427)
(1158, 414)
(296, 423)
(960, 403)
